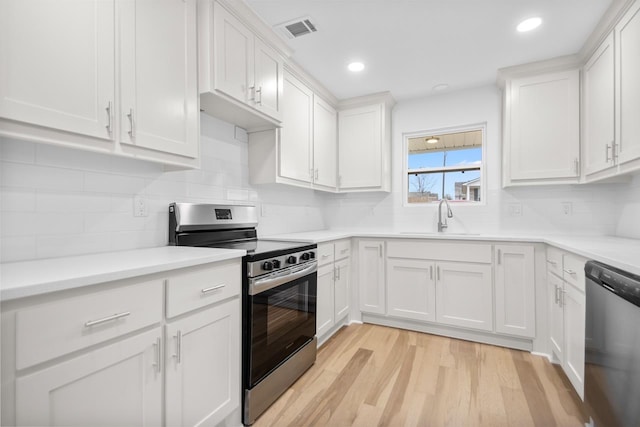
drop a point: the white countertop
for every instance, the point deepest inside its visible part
(29, 278)
(615, 251)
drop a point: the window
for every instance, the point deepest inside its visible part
(445, 165)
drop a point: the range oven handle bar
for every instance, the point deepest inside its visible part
(257, 286)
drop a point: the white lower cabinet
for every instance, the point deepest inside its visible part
(116, 385)
(411, 289)
(371, 276)
(567, 320)
(202, 369)
(106, 352)
(324, 307)
(463, 295)
(332, 306)
(515, 290)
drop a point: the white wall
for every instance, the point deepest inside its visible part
(57, 201)
(628, 203)
(592, 205)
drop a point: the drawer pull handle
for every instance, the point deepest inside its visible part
(106, 319)
(551, 262)
(213, 288)
(344, 251)
(158, 364)
(325, 256)
(571, 272)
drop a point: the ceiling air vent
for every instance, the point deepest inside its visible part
(298, 27)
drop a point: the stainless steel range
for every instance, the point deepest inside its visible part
(278, 301)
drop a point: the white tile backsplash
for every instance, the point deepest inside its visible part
(57, 201)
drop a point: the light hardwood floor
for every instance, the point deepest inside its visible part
(368, 375)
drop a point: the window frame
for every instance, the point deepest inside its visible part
(482, 127)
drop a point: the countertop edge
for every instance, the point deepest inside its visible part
(41, 287)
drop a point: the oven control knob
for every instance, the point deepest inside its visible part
(267, 265)
(312, 255)
(292, 260)
(304, 256)
(276, 263)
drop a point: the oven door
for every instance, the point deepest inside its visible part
(281, 318)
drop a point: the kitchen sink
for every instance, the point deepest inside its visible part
(434, 233)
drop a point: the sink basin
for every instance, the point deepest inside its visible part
(433, 233)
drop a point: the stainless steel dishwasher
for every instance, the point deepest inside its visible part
(612, 346)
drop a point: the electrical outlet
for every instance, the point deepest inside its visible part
(263, 210)
(567, 208)
(140, 206)
(515, 209)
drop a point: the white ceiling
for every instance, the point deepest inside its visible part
(409, 46)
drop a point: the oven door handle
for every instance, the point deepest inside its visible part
(257, 286)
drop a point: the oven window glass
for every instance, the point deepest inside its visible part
(283, 319)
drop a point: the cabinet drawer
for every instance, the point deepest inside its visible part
(573, 270)
(554, 261)
(53, 329)
(201, 286)
(439, 250)
(325, 254)
(342, 249)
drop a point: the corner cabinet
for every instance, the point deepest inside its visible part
(542, 129)
(371, 276)
(364, 144)
(302, 152)
(241, 76)
(515, 290)
(60, 82)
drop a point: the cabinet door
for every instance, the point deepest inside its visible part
(324, 301)
(158, 75)
(295, 136)
(57, 64)
(574, 328)
(599, 109)
(325, 136)
(544, 126)
(360, 147)
(116, 385)
(268, 80)
(233, 51)
(342, 289)
(556, 315)
(371, 276)
(628, 89)
(515, 290)
(203, 366)
(464, 295)
(411, 289)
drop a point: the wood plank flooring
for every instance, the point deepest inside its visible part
(368, 375)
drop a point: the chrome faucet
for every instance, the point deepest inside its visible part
(443, 225)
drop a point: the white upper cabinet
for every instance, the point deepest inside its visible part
(159, 111)
(233, 61)
(541, 129)
(59, 83)
(599, 109)
(241, 76)
(364, 144)
(296, 138)
(325, 134)
(57, 65)
(627, 34)
(303, 151)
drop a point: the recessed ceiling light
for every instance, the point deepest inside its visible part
(356, 67)
(529, 24)
(440, 87)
